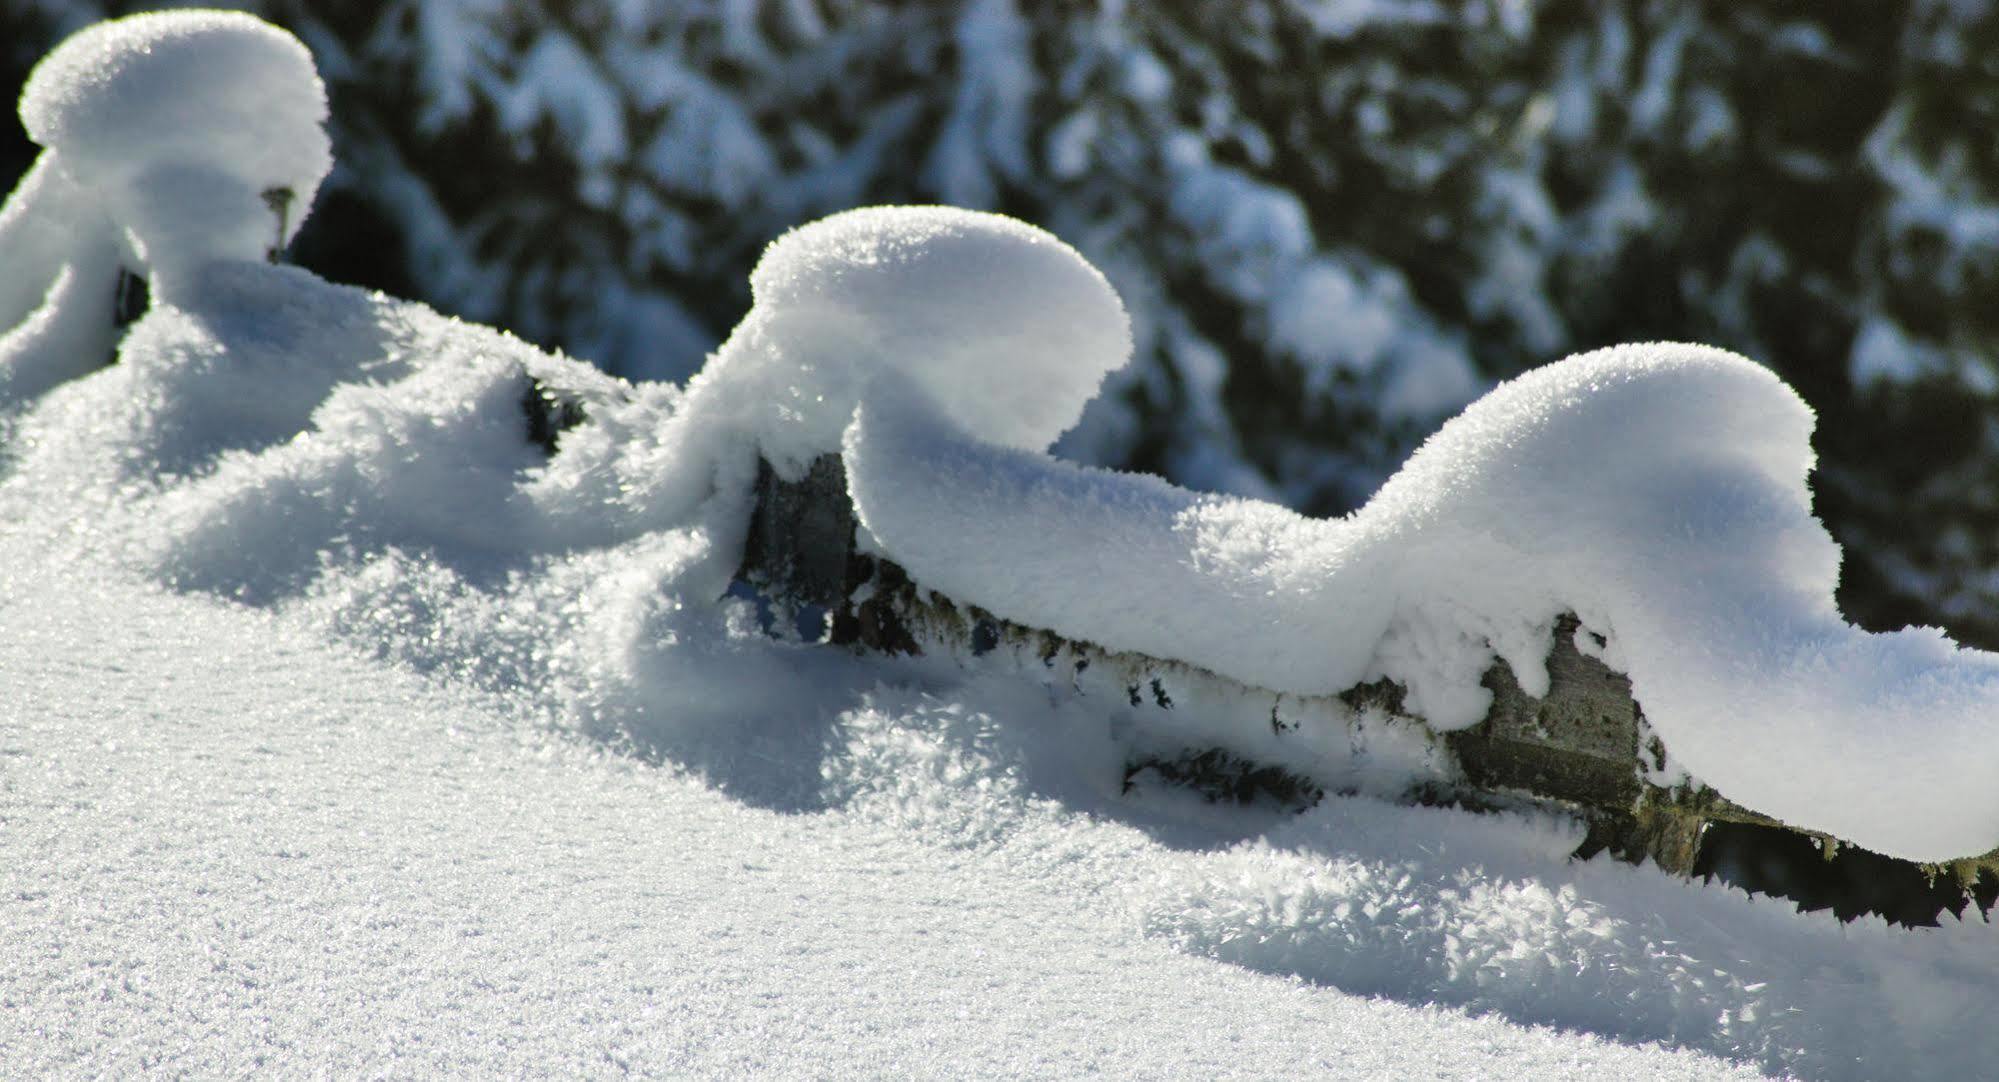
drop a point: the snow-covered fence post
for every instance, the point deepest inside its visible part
(171, 140)
(1600, 588)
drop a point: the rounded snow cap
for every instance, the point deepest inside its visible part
(1006, 328)
(214, 94)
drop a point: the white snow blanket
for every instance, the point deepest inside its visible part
(572, 808)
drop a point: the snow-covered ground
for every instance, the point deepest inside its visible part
(357, 719)
(335, 731)
(227, 847)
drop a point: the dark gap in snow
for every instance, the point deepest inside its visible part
(800, 553)
(1384, 695)
(1221, 777)
(548, 415)
(801, 536)
(985, 638)
(1850, 881)
(280, 200)
(784, 621)
(869, 613)
(131, 299)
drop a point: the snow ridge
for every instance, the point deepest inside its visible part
(1658, 491)
(366, 469)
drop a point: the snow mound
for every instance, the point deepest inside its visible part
(458, 502)
(1006, 327)
(181, 122)
(57, 285)
(1658, 491)
(173, 140)
(368, 470)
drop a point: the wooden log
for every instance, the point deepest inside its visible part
(1584, 747)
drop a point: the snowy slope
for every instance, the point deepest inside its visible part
(376, 699)
(568, 791)
(226, 847)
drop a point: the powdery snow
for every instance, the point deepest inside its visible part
(1659, 492)
(479, 889)
(1007, 328)
(179, 123)
(307, 859)
(231, 849)
(172, 140)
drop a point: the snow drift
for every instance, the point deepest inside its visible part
(456, 500)
(1658, 492)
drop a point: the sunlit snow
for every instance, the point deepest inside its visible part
(352, 726)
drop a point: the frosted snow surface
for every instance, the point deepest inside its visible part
(624, 825)
(238, 842)
(231, 849)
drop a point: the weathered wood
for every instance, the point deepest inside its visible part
(1579, 743)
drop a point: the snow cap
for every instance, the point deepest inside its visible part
(1006, 328)
(182, 121)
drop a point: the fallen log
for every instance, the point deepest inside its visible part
(1583, 749)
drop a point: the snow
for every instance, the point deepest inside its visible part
(353, 727)
(620, 829)
(165, 135)
(1883, 353)
(178, 123)
(1007, 328)
(984, 139)
(1328, 314)
(1342, 19)
(233, 849)
(236, 844)
(1657, 491)
(57, 295)
(1334, 317)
